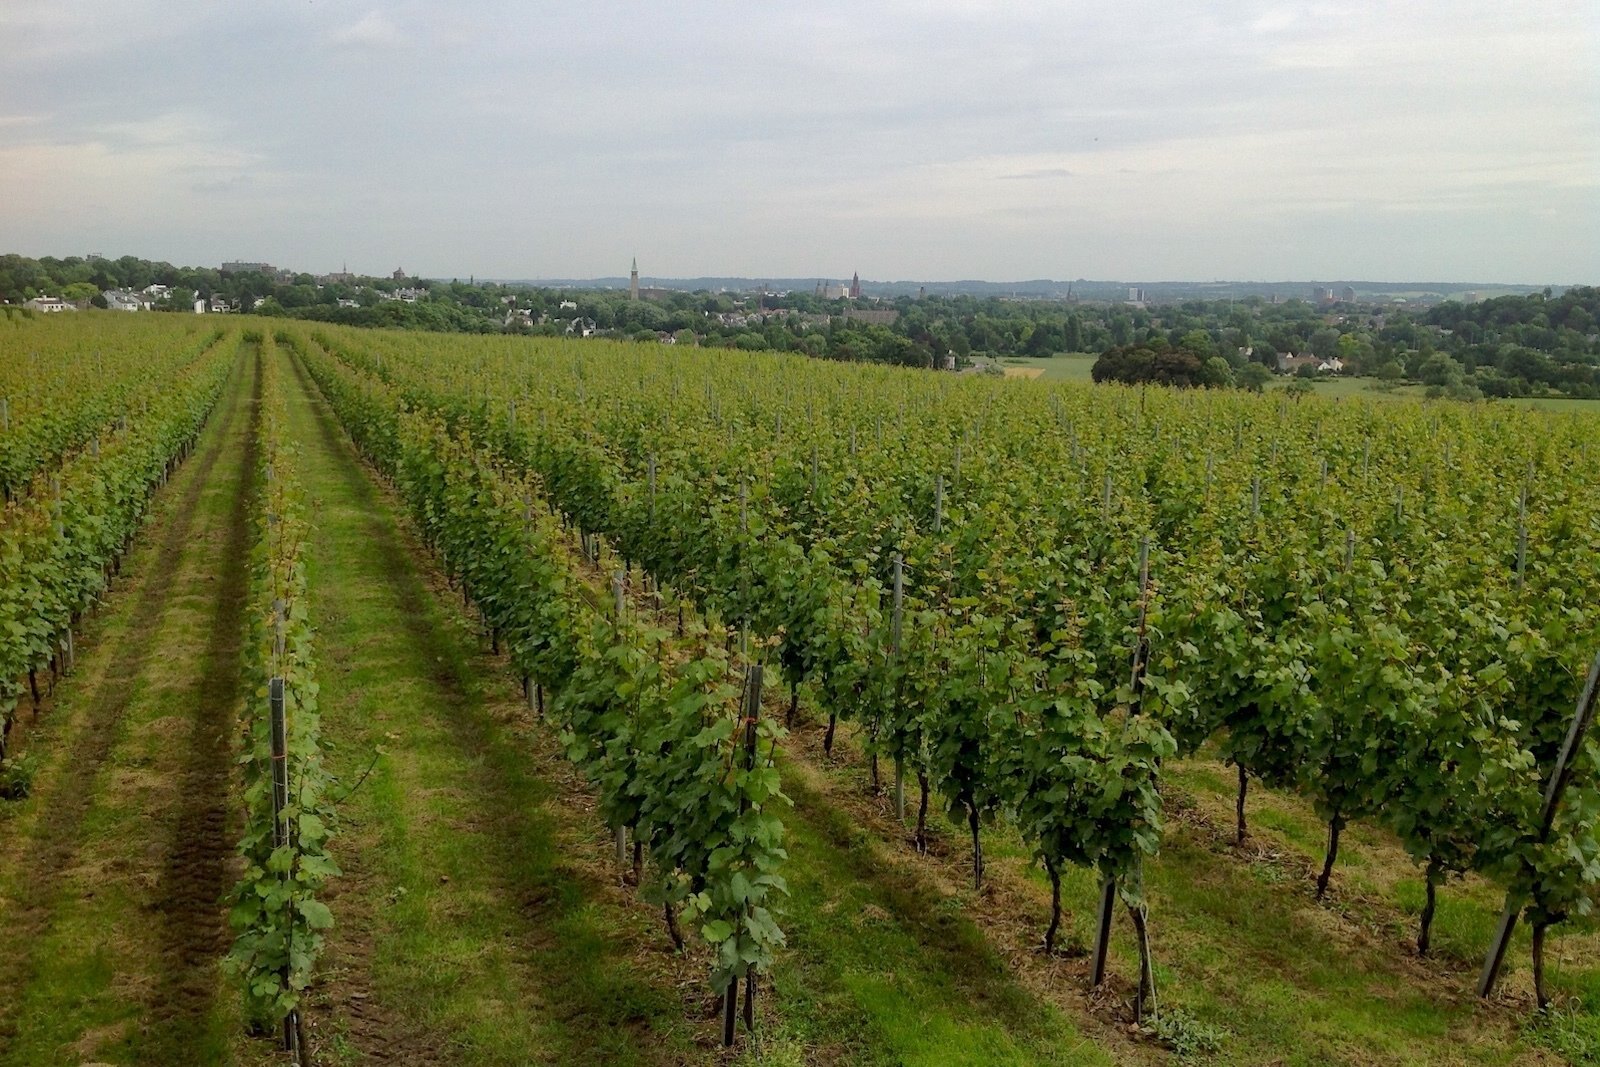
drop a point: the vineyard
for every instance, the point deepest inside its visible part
(619, 703)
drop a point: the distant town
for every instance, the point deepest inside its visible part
(1467, 341)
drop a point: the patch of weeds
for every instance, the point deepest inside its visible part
(771, 1050)
(1268, 873)
(1569, 1031)
(16, 776)
(1186, 1036)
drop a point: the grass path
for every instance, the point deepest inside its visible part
(474, 923)
(111, 874)
(481, 905)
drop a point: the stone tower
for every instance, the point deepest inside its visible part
(633, 280)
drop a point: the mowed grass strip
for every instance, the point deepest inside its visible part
(1241, 946)
(112, 877)
(476, 923)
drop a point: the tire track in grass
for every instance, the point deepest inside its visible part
(202, 835)
(475, 926)
(45, 854)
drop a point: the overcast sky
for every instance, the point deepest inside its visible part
(936, 139)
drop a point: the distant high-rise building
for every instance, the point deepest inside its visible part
(855, 287)
(1321, 294)
(1348, 296)
(633, 280)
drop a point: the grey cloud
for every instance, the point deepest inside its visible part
(938, 139)
(1042, 174)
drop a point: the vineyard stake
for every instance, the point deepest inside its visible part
(896, 619)
(1102, 941)
(280, 831)
(752, 716)
(1522, 537)
(1560, 776)
(652, 478)
(730, 1010)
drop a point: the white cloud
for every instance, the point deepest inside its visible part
(372, 30)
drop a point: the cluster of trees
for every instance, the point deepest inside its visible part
(1187, 363)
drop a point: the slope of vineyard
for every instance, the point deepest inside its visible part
(112, 869)
(1349, 604)
(70, 379)
(648, 686)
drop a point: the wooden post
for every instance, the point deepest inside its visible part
(750, 1001)
(1522, 537)
(5, 414)
(1102, 940)
(1105, 504)
(938, 503)
(751, 712)
(730, 1011)
(1560, 776)
(280, 827)
(1144, 607)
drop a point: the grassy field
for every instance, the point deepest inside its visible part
(1067, 367)
(1075, 367)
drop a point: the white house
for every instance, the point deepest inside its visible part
(156, 291)
(48, 304)
(199, 306)
(123, 300)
